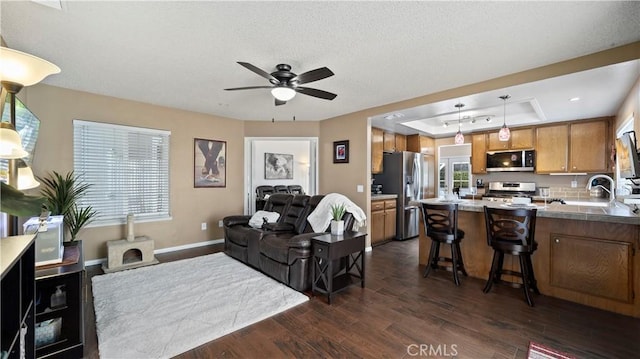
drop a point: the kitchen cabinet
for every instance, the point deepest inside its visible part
(552, 148)
(389, 141)
(573, 147)
(421, 144)
(521, 138)
(383, 220)
(589, 149)
(377, 143)
(401, 142)
(603, 268)
(479, 153)
(17, 264)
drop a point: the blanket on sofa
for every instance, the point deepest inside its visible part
(320, 218)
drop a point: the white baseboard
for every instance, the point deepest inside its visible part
(98, 261)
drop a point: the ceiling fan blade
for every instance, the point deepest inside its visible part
(316, 93)
(313, 75)
(249, 88)
(279, 102)
(258, 71)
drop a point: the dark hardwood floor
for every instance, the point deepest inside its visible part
(398, 312)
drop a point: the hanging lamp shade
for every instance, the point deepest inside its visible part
(24, 69)
(504, 133)
(10, 143)
(26, 180)
(459, 139)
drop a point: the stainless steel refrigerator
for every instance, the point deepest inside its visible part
(410, 175)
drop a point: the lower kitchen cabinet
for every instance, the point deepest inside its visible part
(598, 267)
(59, 309)
(383, 221)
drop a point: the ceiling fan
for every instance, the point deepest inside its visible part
(286, 83)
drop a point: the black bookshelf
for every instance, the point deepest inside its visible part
(17, 263)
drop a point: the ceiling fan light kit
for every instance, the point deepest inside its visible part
(285, 84)
(283, 93)
(504, 133)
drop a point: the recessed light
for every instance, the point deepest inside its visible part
(574, 99)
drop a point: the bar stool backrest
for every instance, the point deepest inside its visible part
(515, 226)
(440, 220)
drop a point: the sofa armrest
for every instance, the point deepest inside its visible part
(301, 240)
(278, 227)
(231, 221)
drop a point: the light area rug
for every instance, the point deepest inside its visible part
(163, 310)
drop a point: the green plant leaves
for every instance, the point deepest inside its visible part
(16, 203)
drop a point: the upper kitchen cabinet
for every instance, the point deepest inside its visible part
(589, 150)
(573, 147)
(377, 145)
(394, 142)
(479, 153)
(389, 141)
(521, 138)
(421, 144)
(401, 142)
(552, 143)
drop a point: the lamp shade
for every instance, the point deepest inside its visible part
(504, 133)
(22, 68)
(26, 179)
(10, 143)
(459, 139)
(283, 93)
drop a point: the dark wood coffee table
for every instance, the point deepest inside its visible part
(328, 249)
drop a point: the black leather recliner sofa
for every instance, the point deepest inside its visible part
(281, 250)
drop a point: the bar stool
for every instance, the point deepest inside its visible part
(441, 225)
(512, 231)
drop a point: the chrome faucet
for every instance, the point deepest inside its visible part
(612, 196)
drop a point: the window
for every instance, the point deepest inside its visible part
(127, 167)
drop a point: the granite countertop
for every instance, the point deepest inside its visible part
(597, 209)
(378, 197)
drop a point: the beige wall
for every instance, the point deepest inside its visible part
(281, 129)
(630, 106)
(190, 206)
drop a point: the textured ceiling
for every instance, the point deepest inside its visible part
(183, 54)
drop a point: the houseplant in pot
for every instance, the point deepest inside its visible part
(337, 224)
(62, 194)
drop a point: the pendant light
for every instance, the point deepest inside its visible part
(504, 133)
(459, 139)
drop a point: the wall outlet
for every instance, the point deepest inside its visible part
(203, 226)
(220, 223)
(574, 184)
(360, 188)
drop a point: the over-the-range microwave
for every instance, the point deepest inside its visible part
(511, 161)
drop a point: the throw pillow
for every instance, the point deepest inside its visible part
(257, 219)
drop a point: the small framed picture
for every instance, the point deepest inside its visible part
(341, 151)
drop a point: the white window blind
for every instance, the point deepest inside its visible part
(127, 167)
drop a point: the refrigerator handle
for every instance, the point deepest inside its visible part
(416, 178)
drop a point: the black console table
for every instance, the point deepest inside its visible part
(329, 249)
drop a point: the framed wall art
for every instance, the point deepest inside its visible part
(209, 163)
(341, 151)
(278, 166)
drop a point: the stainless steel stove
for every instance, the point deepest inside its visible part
(505, 191)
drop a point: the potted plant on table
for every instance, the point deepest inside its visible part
(62, 194)
(337, 224)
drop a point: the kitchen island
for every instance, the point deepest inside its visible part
(586, 252)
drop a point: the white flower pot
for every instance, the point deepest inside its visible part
(337, 228)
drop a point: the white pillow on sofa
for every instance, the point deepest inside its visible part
(257, 219)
